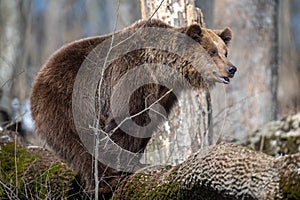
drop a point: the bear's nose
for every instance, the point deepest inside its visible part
(231, 70)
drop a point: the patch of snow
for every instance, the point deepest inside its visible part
(293, 133)
(34, 147)
(27, 121)
(6, 137)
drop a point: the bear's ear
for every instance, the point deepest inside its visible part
(225, 35)
(194, 31)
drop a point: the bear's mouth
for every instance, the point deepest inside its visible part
(223, 79)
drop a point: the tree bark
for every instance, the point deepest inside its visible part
(12, 57)
(193, 115)
(223, 171)
(252, 95)
(288, 100)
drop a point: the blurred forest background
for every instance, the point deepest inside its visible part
(266, 41)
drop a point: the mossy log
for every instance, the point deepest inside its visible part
(29, 172)
(223, 171)
(278, 137)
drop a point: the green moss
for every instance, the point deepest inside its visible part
(292, 145)
(13, 162)
(142, 186)
(290, 190)
(43, 181)
(29, 175)
(168, 191)
(278, 144)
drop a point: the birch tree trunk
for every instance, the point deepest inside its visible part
(251, 98)
(192, 129)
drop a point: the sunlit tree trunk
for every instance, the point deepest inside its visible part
(187, 121)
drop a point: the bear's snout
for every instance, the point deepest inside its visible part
(231, 70)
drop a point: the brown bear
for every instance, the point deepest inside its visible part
(160, 74)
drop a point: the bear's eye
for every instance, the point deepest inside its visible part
(226, 54)
(213, 52)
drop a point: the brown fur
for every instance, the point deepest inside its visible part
(51, 97)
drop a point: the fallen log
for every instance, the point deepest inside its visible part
(223, 171)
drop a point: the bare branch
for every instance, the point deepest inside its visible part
(142, 111)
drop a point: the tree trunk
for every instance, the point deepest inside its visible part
(289, 75)
(251, 98)
(188, 116)
(12, 58)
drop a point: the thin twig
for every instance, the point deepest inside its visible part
(16, 164)
(96, 176)
(141, 112)
(96, 153)
(11, 192)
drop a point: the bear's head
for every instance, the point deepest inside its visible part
(215, 42)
